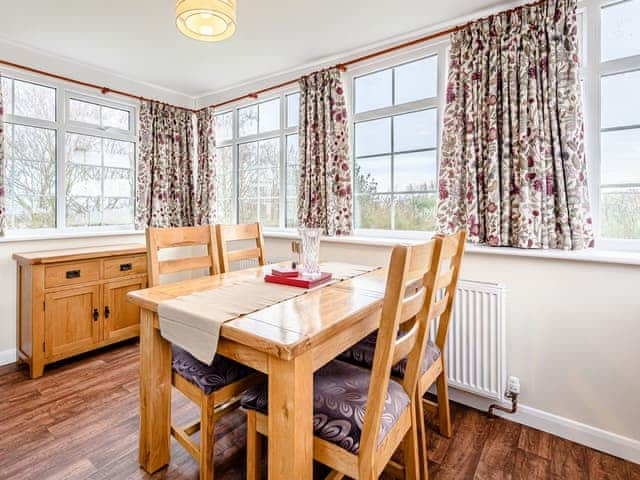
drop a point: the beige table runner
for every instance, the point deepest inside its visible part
(193, 321)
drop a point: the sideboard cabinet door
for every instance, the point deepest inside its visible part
(121, 317)
(72, 321)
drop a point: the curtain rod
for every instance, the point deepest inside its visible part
(342, 66)
(103, 90)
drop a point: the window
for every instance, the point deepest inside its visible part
(257, 161)
(396, 146)
(70, 159)
(619, 198)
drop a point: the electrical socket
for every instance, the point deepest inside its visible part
(513, 385)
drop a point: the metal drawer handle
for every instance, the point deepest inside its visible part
(96, 315)
(125, 267)
(73, 274)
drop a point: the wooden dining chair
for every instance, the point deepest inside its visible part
(342, 391)
(215, 388)
(433, 364)
(233, 233)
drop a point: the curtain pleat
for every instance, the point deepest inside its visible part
(325, 167)
(513, 168)
(205, 203)
(164, 188)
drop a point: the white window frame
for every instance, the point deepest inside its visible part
(62, 125)
(593, 70)
(282, 133)
(439, 48)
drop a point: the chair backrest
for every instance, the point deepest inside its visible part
(408, 301)
(163, 238)
(452, 254)
(232, 233)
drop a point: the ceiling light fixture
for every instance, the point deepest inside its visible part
(206, 20)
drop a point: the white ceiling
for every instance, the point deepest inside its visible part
(138, 38)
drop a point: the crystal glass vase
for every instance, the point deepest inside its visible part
(310, 252)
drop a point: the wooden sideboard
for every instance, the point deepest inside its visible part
(73, 301)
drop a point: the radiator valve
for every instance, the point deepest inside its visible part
(512, 393)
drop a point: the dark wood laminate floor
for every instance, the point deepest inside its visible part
(80, 421)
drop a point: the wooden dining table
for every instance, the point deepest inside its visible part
(287, 341)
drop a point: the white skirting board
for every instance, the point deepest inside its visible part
(593, 437)
(8, 356)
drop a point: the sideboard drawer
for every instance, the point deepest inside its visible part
(71, 274)
(125, 266)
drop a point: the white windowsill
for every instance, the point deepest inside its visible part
(593, 255)
(68, 235)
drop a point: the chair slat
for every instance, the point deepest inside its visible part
(184, 264)
(233, 233)
(412, 305)
(405, 344)
(244, 254)
(182, 237)
(439, 307)
(445, 279)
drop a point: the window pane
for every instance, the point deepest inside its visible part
(7, 95)
(84, 112)
(30, 156)
(248, 156)
(248, 121)
(373, 211)
(270, 116)
(415, 172)
(34, 101)
(415, 131)
(224, 185)
(248, 210)
(99, 181)
(416, 80)
(293, 179)
(270, 212)
(115, 118)
(373, 91)
(415, 212)
(293, 149)
(224, 127)
(372, 175)
(373, 137)
(293, 110)
(269, 153)
(621, 213)
(619, 108)
(620, 33)
(620, 157)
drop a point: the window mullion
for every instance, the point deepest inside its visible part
(61, 207)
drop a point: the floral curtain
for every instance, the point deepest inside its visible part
(513, 169)
(165, 189)
(325, 168)
(3, 220)
(205, 202)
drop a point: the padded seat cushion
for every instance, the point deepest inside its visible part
(221, 373)
(361, 354)
(340, 393)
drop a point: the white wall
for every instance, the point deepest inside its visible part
(573, 331)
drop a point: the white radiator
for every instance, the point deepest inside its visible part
(475, 351)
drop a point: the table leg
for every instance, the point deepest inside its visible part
(155, 395)
(290, 420)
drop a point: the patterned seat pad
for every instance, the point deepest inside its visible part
(361, 354)
(340, 392)
(208, 378)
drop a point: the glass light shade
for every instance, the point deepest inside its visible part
(206, 20)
